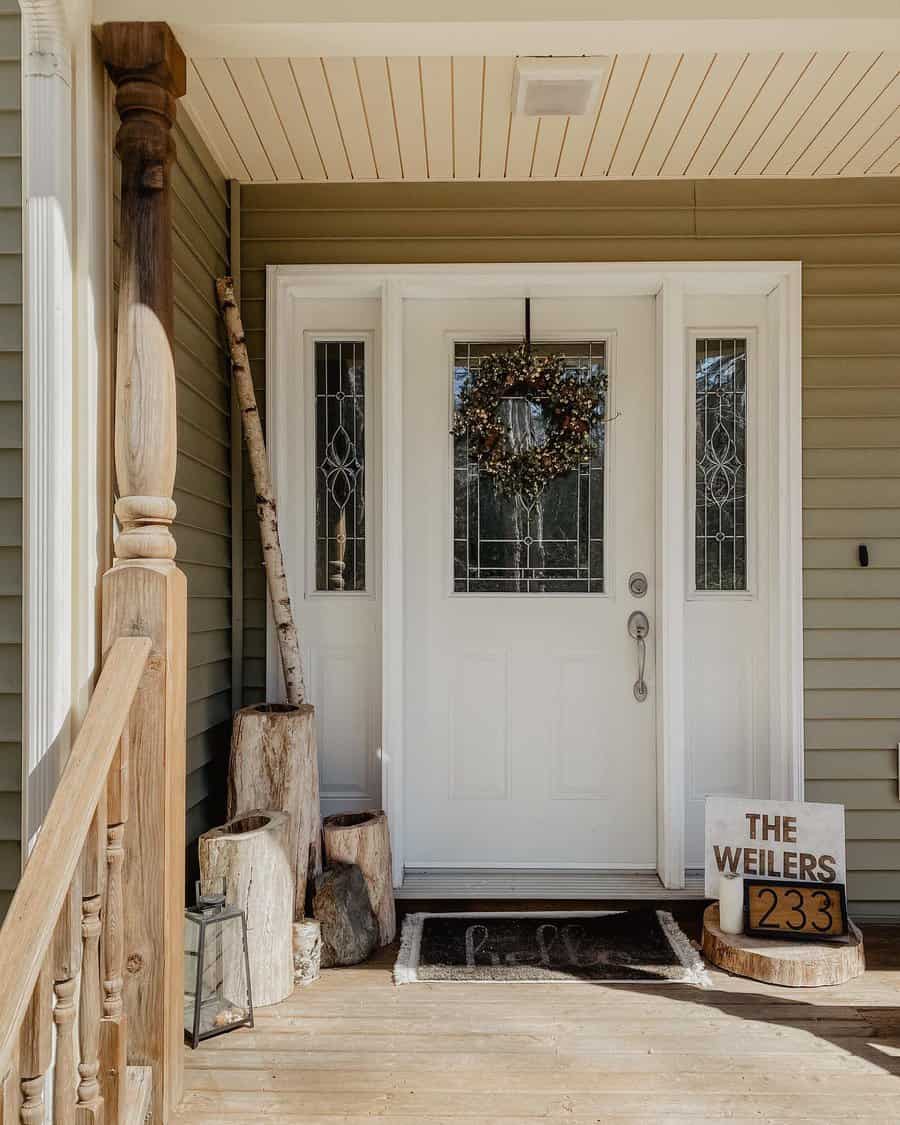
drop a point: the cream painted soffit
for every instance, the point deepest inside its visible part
(276, 28)
(694, 114)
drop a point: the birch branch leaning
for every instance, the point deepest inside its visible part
(288, 641)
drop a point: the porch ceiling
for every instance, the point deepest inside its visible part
(665, 114)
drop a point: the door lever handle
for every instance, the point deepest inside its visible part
(639, 627)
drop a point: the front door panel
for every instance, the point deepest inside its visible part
(525, 743)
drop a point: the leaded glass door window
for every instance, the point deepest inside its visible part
(340, 444)
(720, 464)
(553, 544)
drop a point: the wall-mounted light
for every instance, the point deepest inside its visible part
(549, 87)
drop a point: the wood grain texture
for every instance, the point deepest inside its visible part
(113, 1026)
(36, 1035)
(36, 1048)
(251, 853)
(64, 1073)
(89, 1107)
(795, 964)
(149, 71)
(147, 595)
(365, 840)
(152, 599)
(274, 765)
(355, 1049)
(266, 507)
(307, 948)
(31, 922)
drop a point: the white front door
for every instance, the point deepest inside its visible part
(525, 743)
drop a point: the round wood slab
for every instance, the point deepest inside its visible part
(798, 964)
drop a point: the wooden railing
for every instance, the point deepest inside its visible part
(62, 943)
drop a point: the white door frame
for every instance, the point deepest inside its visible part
(668, 282)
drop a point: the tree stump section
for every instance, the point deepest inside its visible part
(796, 964)
(250, 853)
(274, 766)
(364, 839)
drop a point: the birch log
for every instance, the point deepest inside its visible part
(274, 765)
(307, 951)
(364, 839)
(266, 511)
(250, 854)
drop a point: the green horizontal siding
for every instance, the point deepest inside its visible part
(11, 463)
(203, 477)
(847, 234)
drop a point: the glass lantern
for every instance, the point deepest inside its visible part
(216, 968)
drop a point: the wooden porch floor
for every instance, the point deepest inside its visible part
(354, 1048)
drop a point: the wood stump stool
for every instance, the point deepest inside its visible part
(274, 766)
(251, 854)
(364, 839)
(797, 964)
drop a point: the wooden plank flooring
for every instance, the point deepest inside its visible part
(354, 1048)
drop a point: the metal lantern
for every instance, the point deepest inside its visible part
(216, 969)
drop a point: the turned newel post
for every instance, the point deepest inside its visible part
(144, 593)
(148, 68)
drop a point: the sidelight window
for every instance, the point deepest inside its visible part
(720, 477)
(340, 410)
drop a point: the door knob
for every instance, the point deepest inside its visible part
(639, 627)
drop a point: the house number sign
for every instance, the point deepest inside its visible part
(790, 909)
(791, 840)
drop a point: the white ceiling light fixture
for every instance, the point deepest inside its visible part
(548, 87)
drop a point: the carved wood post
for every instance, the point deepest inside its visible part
(144, 593)
(113, 1026)
(35, 1049)
(89, 1109)
(64, 1065)
(67, 941)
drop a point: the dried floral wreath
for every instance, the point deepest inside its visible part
(572, 409)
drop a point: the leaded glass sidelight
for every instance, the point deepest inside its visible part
(551, 545)
(340, 410)
(720, 532)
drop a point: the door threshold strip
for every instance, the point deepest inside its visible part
(542, 883)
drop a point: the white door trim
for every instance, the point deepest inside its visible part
(669, 282)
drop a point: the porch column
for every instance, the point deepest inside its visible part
(144, 593)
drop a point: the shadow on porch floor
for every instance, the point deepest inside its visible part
(354, 1048)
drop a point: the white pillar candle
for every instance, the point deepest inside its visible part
(731, 904)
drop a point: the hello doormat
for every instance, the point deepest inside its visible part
(621, 947)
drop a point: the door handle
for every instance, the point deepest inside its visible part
(639, 627)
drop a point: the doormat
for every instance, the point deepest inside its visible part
(613, 947)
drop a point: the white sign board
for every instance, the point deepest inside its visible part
(774, 840)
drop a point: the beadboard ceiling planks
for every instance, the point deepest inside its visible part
(285, 93)
(696, 115)
(406, 100)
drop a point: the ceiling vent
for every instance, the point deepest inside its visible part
(550, 87)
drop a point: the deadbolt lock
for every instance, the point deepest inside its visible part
(637, 584)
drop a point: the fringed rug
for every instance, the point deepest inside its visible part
(621, 947)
